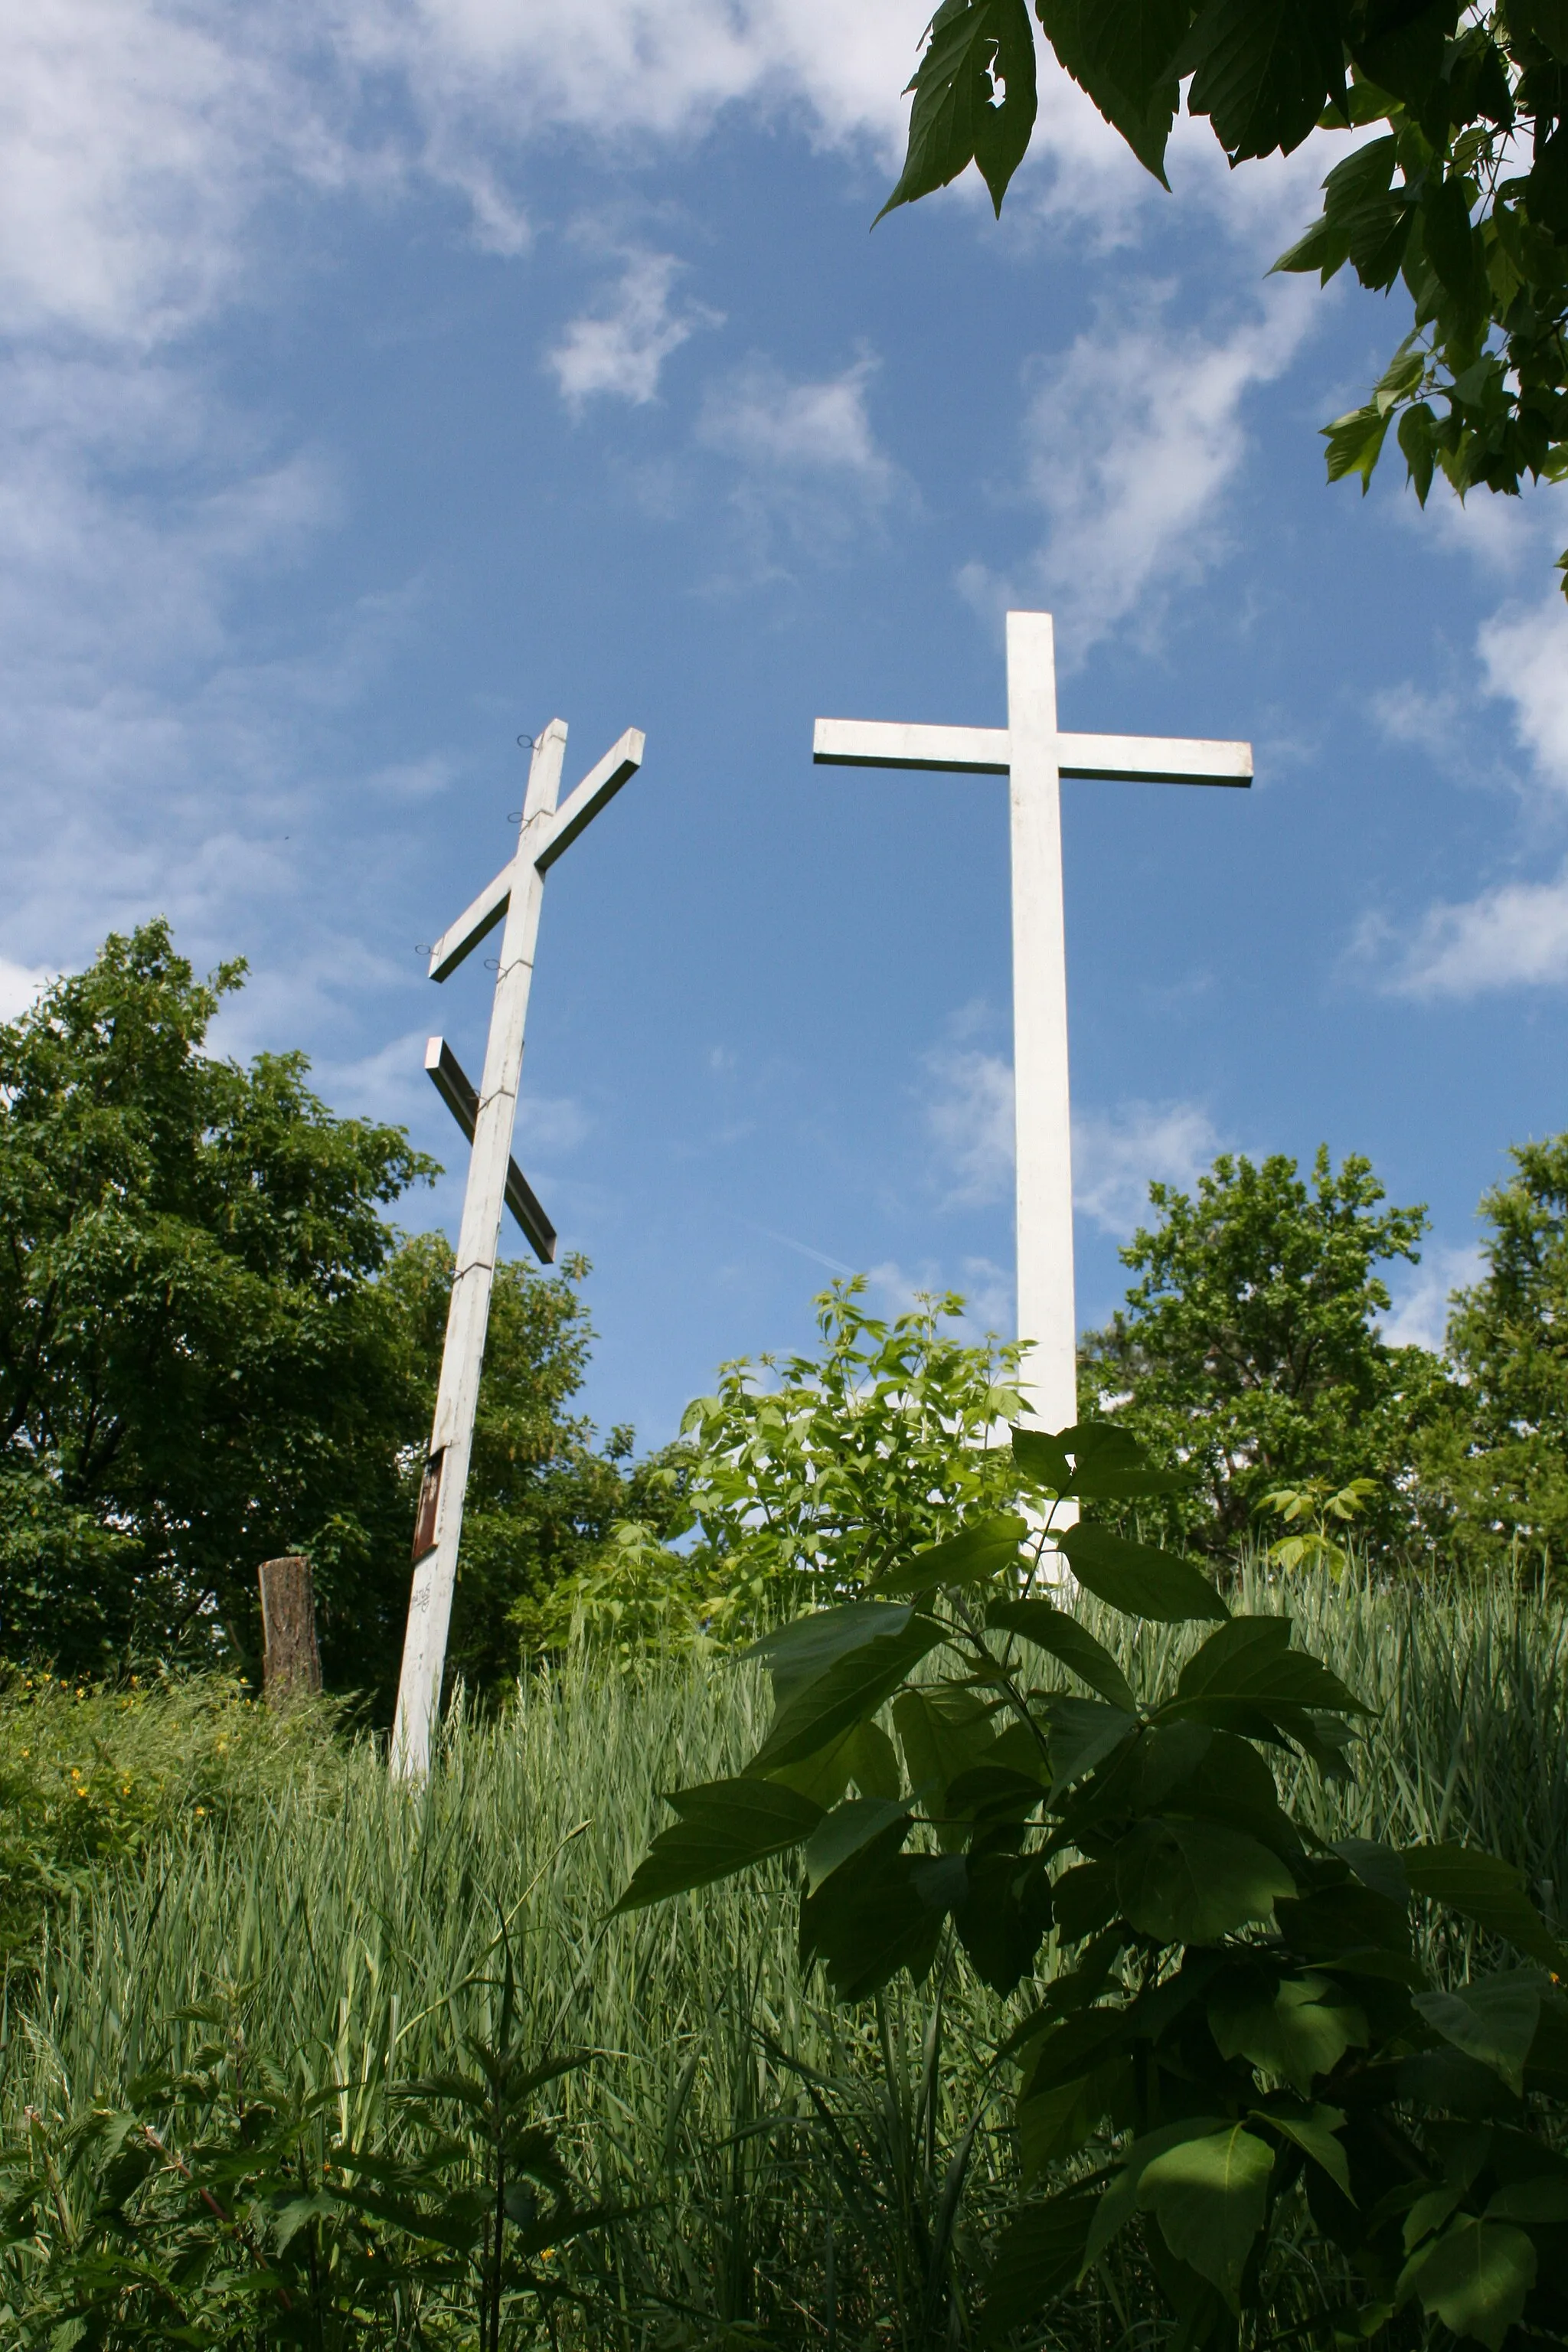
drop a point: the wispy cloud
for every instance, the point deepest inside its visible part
(806, 456)
(618, 349)
(969, 1115)
(1130, 441)
(1117, 1154)
(1514, 932)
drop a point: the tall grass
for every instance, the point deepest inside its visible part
(781, 2160)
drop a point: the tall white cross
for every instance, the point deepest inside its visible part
(495, 1183)
(1034, 756)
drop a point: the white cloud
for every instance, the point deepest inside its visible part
(798, 430)
(808, 461)
(1116, 1155)
(1513, 935)
(1525, 655)
(1130, 441)
(968, 1115)
(620, 349)
(19, 986)
(1419, 1315)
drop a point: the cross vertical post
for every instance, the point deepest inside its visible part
(1042, 1117)
(514, 897)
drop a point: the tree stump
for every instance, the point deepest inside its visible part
(291, 1662)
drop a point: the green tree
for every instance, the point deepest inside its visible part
(884, 1440)
(196, 1367)
(1499, 1457)
(1249, 1350)
(1463, 197)
(214, 1348)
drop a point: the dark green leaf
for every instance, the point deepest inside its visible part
(1042, 1458)
(1251, 1659)
(955, 121)
(864, 1755)
(853, 1688)
(1542, 2199)
(943, 1732)
(723, 1826)
(1481, 1888)
(1315, 2131)
(1193, 1882)
(1051, 1629)
(1475, 2279)
(1209, 2197)
(868, 1923)
(1138, 1580)
(1083, 1733)
(1296, 2029)
(1493, 2022)
(847, 1830)
(1263, 70)
(1085, 1897)
(1004, 1914)
(1120, 52)
(1038, 2255)
(800, 1650)
(973, 1556)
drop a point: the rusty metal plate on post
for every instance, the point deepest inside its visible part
(429, 1506)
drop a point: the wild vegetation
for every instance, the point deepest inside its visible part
(263, 1979)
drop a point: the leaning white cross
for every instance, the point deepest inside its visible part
(495, 1183)
(1031, 752)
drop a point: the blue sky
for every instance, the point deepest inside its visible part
(383, 380)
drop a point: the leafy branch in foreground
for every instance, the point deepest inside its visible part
(1239, 2039)
(1464, 195)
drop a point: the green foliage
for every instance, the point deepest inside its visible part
(1315, 1546)
(784, 2166)
(855, 1458)
(1249, 1353)
(1499, 1458)
(1238, 2040)
(90, 1775)
(1464, 197)
(196, 1367)
(240, 2204)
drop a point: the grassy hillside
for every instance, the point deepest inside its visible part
(777, 2160)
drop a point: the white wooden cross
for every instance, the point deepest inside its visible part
(495, 1183)
(1034, 756)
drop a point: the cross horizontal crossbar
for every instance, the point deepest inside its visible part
(452, 1083)
(550, 837)
(987, 752)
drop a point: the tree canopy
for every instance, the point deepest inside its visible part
(1462, 196)
(214, 1347)
(1499, 1458)
(1251, 1352)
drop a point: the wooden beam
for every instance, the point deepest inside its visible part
(475, 923)
(873, 743)
(1154, 760)
(452, 1083)
(597, 789)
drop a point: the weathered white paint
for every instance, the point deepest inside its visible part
(514, 897)
(1031, 752)
(456, 1090)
